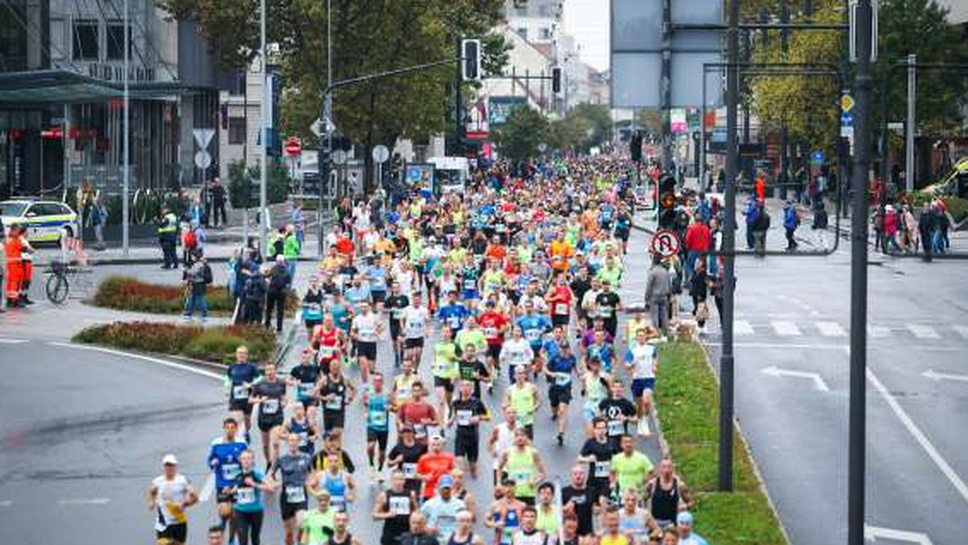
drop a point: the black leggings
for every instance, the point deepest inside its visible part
(275, 301)
(248, 527)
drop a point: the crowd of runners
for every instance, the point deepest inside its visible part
(462, 324)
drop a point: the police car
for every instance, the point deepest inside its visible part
(46, 221)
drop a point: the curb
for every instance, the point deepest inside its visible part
(746, 448)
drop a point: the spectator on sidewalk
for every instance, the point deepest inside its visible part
(253, 293)
(97, 218)
(218, 199)
(752, 213)
(168, 238)
(197, 278)
(697, 244)
(278, 287)
(291, 247)
(760, 228)
(926, 227)
(299, 222)
(819, 225)
(790, 222)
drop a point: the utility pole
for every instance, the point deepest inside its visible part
(728, 249)
(784, 130)
(912, 98)
(665, 88)
(858, 276)
(264, 131)
(126, 186)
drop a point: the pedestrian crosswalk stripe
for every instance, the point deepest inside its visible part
(742, 327)
(831, 329)
(878, 331)
(786, 329)
(962, 330)
(923, 331)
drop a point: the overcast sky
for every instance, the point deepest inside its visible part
(587, 21)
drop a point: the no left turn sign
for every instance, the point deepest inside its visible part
(665, 243)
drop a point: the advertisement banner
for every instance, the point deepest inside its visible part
(499, 108)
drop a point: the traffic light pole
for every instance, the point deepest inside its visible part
(728, 252)
(324, 160)
(858, 278)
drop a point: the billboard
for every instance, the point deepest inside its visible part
(499, 108)
(636, 52)
(420, 176)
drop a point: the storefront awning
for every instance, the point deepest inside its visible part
(18, 89)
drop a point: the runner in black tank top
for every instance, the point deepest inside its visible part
(398, 504)
(665, 502)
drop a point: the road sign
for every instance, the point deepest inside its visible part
(293, 147)
(817, 157)
(203, 137)
(665, 243)
(203, 159)
(846, 119)
(339, 157)
(381, 154)
(846, 102)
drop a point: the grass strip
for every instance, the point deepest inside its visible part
(687, 398)
(132, 295)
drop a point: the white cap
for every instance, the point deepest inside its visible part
(169, 460)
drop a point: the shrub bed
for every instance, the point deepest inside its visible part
(215, 344)
(130, 294)
(688, 404)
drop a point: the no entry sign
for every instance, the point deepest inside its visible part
(665, 243)
(293, 147)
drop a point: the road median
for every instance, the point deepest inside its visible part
(688, 403)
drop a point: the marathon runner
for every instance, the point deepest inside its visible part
(169, 496)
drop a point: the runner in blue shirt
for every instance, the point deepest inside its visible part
(453, 314)
(223, 459)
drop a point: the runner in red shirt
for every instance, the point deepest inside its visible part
(433, 465)
(559, 302)
(493, 324)
(419, 414)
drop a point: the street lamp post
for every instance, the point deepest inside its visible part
(263, 212)
(125, 188)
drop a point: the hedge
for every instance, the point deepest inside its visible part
(130, 294)
(688, 405)
(215, 344)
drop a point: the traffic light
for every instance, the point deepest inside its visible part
(470, 53)
(667, 201)
(635, 147)
(556, 80)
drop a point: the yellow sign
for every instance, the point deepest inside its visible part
(846, 103)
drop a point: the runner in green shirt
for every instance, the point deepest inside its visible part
(319, 525)
(630, 466)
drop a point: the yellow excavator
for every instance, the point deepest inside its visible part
(954, 184)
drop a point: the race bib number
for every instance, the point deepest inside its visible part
(326, 351)
(454, 322)
(305, 389)
(470, 285)
(603, 469)
(561, 309)
(562, 379)
(521, 477)
(295, 494)
(240, 392)
(245, 496)
(464, 417)
(616, 427)
(399, 505)
(230, 471)
(410, 470)
(334, 403)
(378, 418)
(533, 335)
(490, 332)
(270, 406)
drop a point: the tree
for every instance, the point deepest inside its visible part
(277, 184)
(921, 27)
(368, 36)
(519, 137)
(584, 126)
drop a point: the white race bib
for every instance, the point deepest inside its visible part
(616, 427)
(270, 406)
(464, 417)
(561, 308)
(399, 505)
(295, 494)
(410, 470)
(334, 403)
(240, 392)
(603, 469)
(245, 496)
(230, 471)
(562, 379)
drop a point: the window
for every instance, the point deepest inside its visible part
(116, 41)
(58, 39)
(523, 32)
(86, 40)
(237, 130)
(545, 33)
(544, 10)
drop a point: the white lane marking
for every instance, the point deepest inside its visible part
(871, 533)
(742, 327)
(822, 346)
(818, 381)
(786, 329)
(934, 375)
(83, 501)
(6, 503)
(922, 331)
(208, 489)
(918, 435)
(831, 329)
(13, 341)
(962, 330)
(159, 361)
(878, 331)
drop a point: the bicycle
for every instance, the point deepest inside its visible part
(61, 276)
